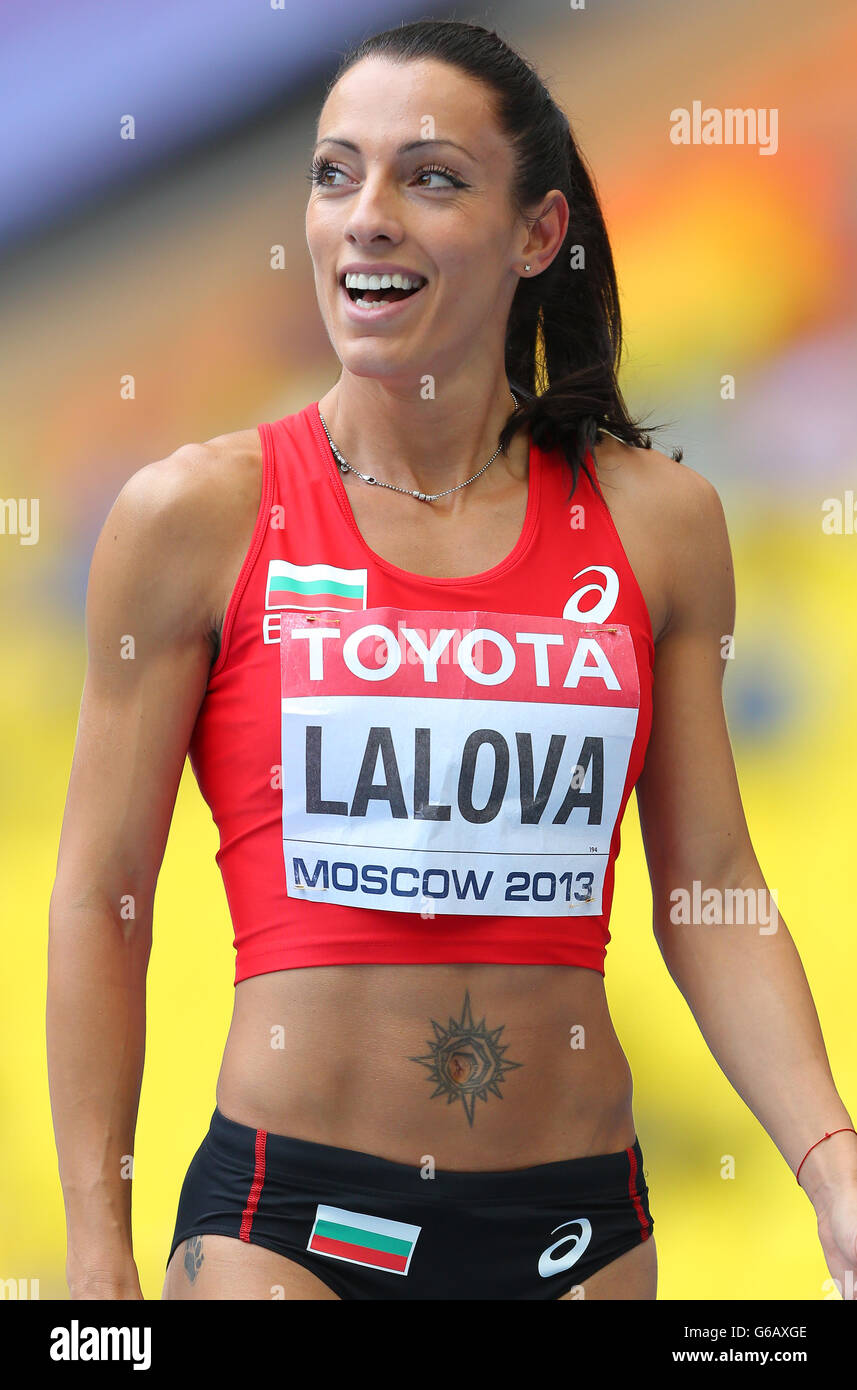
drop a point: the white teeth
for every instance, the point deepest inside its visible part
(359, 281)
(371, 303)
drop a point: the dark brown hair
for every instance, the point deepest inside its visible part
(576, 310)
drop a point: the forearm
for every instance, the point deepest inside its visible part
(95, 1046)
(746, 987)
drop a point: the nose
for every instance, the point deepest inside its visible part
(373, 213)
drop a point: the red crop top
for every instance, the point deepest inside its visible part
(406, 769)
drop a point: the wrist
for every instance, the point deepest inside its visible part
(103, 1265)
(829, 1165)
(121, 1283)
(101, 1247)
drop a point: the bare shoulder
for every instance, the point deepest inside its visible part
(181, 526)
(652, 481)
(210, 490)
(672, 525)
(199, 484)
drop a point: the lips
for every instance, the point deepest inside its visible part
(390, 294)
(379, 310)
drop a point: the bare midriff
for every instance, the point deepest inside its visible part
(478, 1066)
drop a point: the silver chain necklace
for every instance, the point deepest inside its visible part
(346, 467)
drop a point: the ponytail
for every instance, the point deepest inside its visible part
(564, 335)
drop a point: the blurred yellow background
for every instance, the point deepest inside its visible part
(730, 263)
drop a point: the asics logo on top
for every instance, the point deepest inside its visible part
(609, 592)
(548, 1265)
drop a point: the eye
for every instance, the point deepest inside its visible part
(320, 167)
(440, 169)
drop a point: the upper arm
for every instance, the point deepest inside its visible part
(149, 652)
(691, 816)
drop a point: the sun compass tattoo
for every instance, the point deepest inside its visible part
(466, 1060)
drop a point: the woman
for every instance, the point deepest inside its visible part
(419, 665)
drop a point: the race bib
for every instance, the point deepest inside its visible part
(467, 763)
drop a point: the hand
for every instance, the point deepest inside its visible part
(837, 1231)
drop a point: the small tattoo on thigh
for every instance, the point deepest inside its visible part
(193, 1257)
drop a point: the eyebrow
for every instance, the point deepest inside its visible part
(403, 149)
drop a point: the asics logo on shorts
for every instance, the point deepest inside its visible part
(548, 1264)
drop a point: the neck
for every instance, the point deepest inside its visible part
(432, 444)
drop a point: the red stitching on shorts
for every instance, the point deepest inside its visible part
(255, 1187)
(635, 1196)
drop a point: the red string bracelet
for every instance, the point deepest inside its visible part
(845, 1130)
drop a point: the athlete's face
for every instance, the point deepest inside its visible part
(377, 204)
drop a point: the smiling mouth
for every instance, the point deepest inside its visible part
(388, 296)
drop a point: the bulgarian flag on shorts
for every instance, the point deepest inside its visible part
(363, 1240)
(314, 586)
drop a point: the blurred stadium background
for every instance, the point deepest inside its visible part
(151, 256)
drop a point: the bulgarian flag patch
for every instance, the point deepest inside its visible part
(314, 586)
(363, 1240)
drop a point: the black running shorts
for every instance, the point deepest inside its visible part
(370, 1228)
